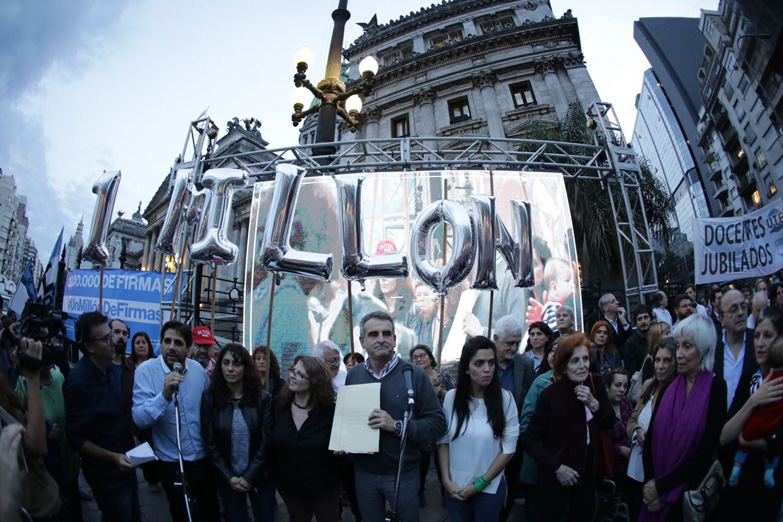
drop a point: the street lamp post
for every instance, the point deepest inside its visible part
(334, 99)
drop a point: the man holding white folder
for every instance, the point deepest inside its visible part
(375, 473)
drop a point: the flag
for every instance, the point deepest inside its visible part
(50, 274)
(24, 290)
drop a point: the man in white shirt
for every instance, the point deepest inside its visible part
(735, 358)
(659, 303)
(690, 291)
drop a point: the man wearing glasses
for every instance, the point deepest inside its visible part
(735, 358)
(329, 352)
(97, 425)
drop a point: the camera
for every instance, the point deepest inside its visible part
(40, 324)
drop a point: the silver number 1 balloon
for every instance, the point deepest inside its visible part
(106, 189)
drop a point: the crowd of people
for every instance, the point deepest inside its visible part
(638, 409)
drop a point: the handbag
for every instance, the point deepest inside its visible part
(698, 503)
(637, 380)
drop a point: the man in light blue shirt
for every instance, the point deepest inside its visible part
(154, 388)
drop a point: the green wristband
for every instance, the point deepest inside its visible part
(481, 484)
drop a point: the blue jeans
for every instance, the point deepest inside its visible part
(117, 495)
(373, 491)
(262, 502)
(481, 506)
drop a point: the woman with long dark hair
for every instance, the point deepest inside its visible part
(539, 344)
(481, 437)
(237, 424)
(563, 436)
(273, 373)
(605, 356)
(663, 355)
(307, 474)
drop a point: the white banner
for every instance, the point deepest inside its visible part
(739, 247)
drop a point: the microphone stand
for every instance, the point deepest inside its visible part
(184, 482)
(391, 515)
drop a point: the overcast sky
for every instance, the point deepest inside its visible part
(90, 85)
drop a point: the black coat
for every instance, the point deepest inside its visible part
(216, 431)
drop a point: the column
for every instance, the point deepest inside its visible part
(485, 82)
(580, 79)
(548, 69)
(372, 117)
(424, 100)
(146, 251)
(242, 257)
(150, 261)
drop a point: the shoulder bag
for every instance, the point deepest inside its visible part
(700, 502)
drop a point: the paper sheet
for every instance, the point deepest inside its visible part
(141, 454)
(350, 432)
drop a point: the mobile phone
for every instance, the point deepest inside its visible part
(6, 419)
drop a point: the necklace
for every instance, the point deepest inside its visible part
(305, 407)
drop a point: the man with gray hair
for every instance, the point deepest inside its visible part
(564, 319)
(613, 313)
(758, 303)
(516, 374)
(330, 353)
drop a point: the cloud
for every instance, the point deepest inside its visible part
(38, 39)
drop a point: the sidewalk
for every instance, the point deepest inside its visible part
(155, 508)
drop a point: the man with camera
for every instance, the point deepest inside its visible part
(96, 424)
(163, 387)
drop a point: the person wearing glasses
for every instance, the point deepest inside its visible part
(735, 358)
(306, 473)
(329, 353)
(236, 425)
(97, 425)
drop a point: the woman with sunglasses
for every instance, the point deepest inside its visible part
(236, 424)
(306, 472)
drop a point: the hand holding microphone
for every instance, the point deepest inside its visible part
(172, 380)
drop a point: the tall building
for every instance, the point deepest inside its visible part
(741, 120)
(125, 240)
(13, 229)
(668, 113)
(471, 68)
(73, 249)
(658, 137)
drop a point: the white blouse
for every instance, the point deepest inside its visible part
(476, 448)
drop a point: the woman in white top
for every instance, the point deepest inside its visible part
(481, 438)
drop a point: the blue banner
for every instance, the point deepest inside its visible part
(129, 295)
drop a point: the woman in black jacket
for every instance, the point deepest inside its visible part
(306, 473)
(237, 424)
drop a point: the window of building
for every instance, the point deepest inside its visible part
(523, 94)
(397, 54)
(730, 62)
(757, 110)
(400, 127)
(710, 28)
(761, 160)
(750, 134)
(743, 85)
(447, 36)
(496, 23)
(459, 110)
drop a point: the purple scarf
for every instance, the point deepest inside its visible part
(678, 430)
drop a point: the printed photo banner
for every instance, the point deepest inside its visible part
(739, 247)
(311, 305)
(129, 295)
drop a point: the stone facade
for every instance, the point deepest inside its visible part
(462, 67)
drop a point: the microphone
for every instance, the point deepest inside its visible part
(177, 368)
(406, 373)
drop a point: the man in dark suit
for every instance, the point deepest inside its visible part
(614, 314)
(516, 373)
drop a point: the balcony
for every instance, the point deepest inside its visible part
(727, 211)
(745, 185)
(722, 193)
(715, 174)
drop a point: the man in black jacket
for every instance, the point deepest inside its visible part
(613, 313)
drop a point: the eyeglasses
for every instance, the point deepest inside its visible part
(106, 339)
(332, 362)
(296, 373)
(733, 309)
(419, 356)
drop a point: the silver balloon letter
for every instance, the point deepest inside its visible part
(276, 252)
(463, 246)
(517, 248)
(356, 265)
(484, 217)
(213, 246)
(175, 213)
(106, 189)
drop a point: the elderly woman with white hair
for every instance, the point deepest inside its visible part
(686, 423)
(330, 353)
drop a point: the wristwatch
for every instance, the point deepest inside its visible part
(398, 428)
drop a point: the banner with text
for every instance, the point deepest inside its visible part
(129, 295)
(739, 247)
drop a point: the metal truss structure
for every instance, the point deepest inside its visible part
(609, 161)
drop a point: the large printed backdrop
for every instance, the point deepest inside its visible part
(307, 310)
